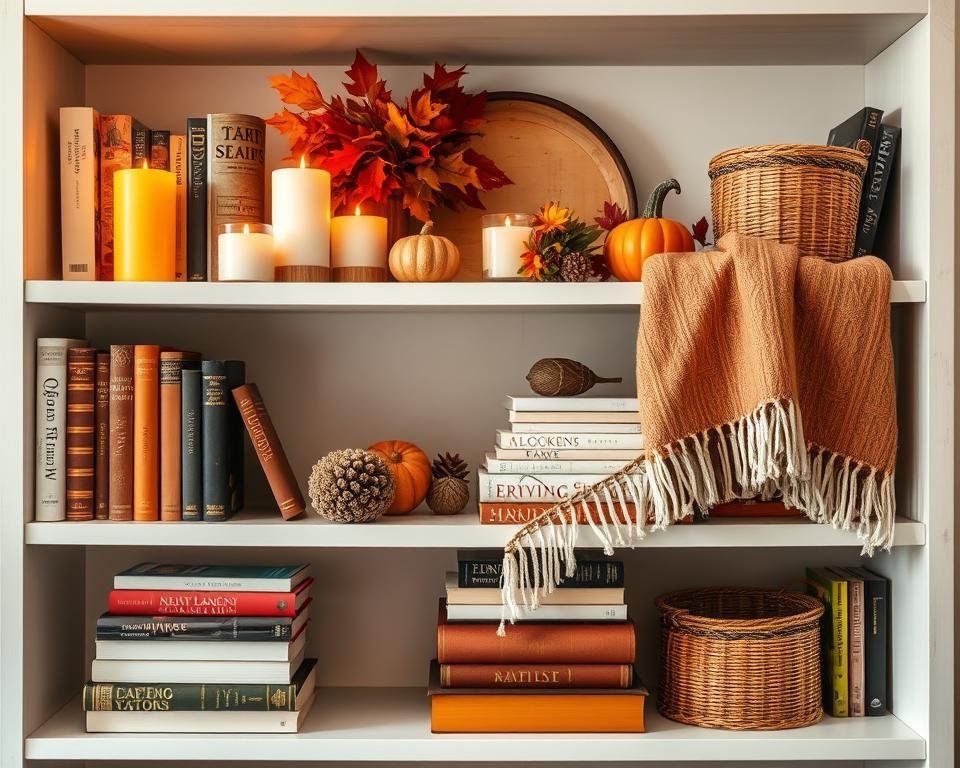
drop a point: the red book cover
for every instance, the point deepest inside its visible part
(156, 602)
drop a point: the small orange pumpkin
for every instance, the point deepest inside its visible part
(411, 473)
(630, 244)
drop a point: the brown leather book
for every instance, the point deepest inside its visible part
(80, 432)
(269, 450)
(611, 642)
(172, 364)
(536, 675)
(146, 432)
(121, 432)
(101, 444)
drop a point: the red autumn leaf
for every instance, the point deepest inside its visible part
(397, 127)
(443, 78)
(491, 177)
(422, 110)
(417, 197)
(371, 181)
(288, 123)
(342, 160)
(611, 216)
(365, 81)
(297, 89)
(700, 230)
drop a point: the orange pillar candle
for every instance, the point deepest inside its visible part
(144, 224)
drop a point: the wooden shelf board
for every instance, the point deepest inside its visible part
(499, 32)
(393, 724)
(426, 531)
(361, 296)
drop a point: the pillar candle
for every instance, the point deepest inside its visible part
(245, 253)
(505, 236)
(144, 224)
(301, 224)
(358, 248)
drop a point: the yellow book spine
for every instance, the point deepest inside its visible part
(841, 698)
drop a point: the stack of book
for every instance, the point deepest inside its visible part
(555, 446)
(225, 645)
(567, 667)
(854, 639)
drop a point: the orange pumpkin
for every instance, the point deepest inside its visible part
(630, 244)
(411, 473)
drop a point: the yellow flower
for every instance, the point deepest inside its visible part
(551, 217)
(531, 266)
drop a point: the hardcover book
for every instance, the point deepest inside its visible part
(146, 432)
(236, 578)
(569, 441)
(832, 591)
(876, 598)
(619, 428)
(80, 437)
(236, 376)
(121, 432)
(191, 443)
(51, 461)
(567, 404)
(172, 363)
(79, 192)
(269, 450)
(523, 488)
(207, 672)
(123, 144)
(855, 640)
(523, 512)
(563, 454)
(457, 595)
(536, 676)
(496, 466)
(215, 427)
(196, 603)
(875, 189)
(200, 650)
(197, 254)
(484, 567)
(574, 417)
(101, 470)
(179, 166)
(160, 150)
(560, 613)
(235, 174)
(202, 628)
(859, 131)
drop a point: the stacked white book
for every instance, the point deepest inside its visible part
(554, 447)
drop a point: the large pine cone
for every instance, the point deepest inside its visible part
(351, 486)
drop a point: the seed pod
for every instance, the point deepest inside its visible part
(562, 377)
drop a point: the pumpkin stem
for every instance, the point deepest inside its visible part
(395, 457)
(428, 227)
(654, 207)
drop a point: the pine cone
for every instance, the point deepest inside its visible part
(446, 465)
(449, 490)
(351, 486)
(577, 268)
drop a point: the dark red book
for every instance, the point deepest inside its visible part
(158, 602)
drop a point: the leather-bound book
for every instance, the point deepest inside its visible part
(80, 432)
(509, 676)
(124, 142)
(101, 440)
(219, 460)
(121, 432)
(146, 431)
(172, 364)
(266, 443)
(191, 444)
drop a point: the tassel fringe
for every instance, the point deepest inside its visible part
(763, 453)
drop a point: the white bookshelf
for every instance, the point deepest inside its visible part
(672, 82)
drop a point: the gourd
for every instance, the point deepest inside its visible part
(411, 474)
(631, 243)
(424, 258)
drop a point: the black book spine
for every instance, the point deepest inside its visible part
(875, 189)
(191, 444)
(215, 428)
(236, 376)
(590, 573)
(876, 610)
(197, 199)
(245, 628)
(140, 145)
(195, 697)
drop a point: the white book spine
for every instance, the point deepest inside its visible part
(555, 454)
(573, 404)
(567, 440)
(493, 465)
(532, 488)
(79, 192)
(573, 417)
(608, 429)
(51, 480)
(543, 613)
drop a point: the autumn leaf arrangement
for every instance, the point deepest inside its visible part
(376, 148)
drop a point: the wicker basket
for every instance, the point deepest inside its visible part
(801, 194)
(741, 659)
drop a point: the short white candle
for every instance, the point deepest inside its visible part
(358, 241)
(301, 216)
(505, 239)
(245, 253)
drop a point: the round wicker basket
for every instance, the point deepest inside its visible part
(801, 194)
(740, 659)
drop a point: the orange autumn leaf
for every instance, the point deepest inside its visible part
(289, 123)
(417, 198)
(397, 126)
(428, 176)
(423, 110)
(297, 89)
(453, 170)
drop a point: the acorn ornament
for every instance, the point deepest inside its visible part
(449, 490)
(562, 377)
(351, 486)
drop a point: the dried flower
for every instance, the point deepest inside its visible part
(557, 234)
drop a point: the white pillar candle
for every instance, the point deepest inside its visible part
(358, 241)
(245, 253)
(301, 222)
(505, 237)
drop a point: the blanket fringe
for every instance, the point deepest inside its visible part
(762, 453)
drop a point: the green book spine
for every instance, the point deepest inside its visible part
(154, 697)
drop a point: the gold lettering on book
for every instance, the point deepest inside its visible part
(526, 676)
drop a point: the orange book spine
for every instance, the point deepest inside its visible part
(536, 675)
(146, 432)
(501, 513)
(172, 364)
(80, 432)
(537, 713)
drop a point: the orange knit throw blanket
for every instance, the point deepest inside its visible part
(758, 372)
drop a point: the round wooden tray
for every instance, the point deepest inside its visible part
(551, 152)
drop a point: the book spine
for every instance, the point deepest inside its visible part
(875, 646)
(141, 145)
(875, 189)
(51, 471)
(116, 153)
(197, 697)
(215, 428)
(178, 166)
(589, 573)
(197, 199)
(191, 444)
(568, 441)
(520, 488)
(236, 376)
(241, 628)
(146, 432)
(171, 367)
(193, 603)
(269, 450)
(101, 461)
(121, 432)
(855, 595)
(580, 643)
(160, 150)
(587, 404)
(552, 454)
(536, 675)
(79, 192)
(500, 513)
(80, 435)
(497, 466)
(235, 174)
(840, 674)
(584, 428)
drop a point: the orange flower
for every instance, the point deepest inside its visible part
(551, 217)
(532, 266)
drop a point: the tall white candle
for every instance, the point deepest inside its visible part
(245, 253)
(301, 217)
(359, 241)
(504, 241)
